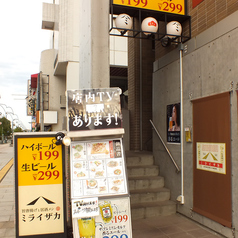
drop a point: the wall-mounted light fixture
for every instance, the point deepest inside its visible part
(174, 29)
(123, 23)
(61, 138)
(149, 25)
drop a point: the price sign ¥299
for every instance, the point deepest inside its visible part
(175, 6)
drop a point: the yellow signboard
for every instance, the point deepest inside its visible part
(169, 6)
(39, 161)
(40, 208)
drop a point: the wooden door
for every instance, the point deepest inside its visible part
(211, 187)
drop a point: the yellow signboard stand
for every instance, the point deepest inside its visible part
(40, 189)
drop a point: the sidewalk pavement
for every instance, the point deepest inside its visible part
(6, 153)
(7, 197)
(174, 226)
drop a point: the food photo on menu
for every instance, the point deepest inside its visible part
(97, 169)
(95, 186)
(116, 185)
(114, 167)
(80, 170)
(79, 151)
(98, 150)
(115, 173)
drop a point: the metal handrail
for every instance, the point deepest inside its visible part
(170, 155)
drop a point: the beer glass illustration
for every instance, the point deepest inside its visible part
(170, 123)
(86, 227)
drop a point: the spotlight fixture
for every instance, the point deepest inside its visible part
(66, 141)
(61, 138)
(149, 25)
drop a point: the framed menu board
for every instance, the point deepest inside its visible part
(97, 168)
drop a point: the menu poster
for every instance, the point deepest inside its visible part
(97, 168)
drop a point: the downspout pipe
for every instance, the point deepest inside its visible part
(41, 103)
(181, 197)
(141, 98)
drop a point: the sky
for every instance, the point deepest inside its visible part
(21, 42)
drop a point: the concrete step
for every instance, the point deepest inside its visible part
(142, 170)
(150, 195)
(139, 158)
(152, 209)
(145, 182)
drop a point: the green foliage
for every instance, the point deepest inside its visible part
(18, 129)
(5, 127)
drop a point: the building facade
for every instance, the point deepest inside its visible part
(209, 76)
(69, 27)
(207, 63)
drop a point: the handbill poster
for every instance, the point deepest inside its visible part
(85, 207)
(173, 123)
(211, 157)
(113, 221)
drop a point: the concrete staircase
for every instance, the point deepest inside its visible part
(149, 197)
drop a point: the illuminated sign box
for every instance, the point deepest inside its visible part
(163, 11)
(167, 6)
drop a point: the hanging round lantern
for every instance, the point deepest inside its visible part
(123, 21)
(149, 24)
(174, 29)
